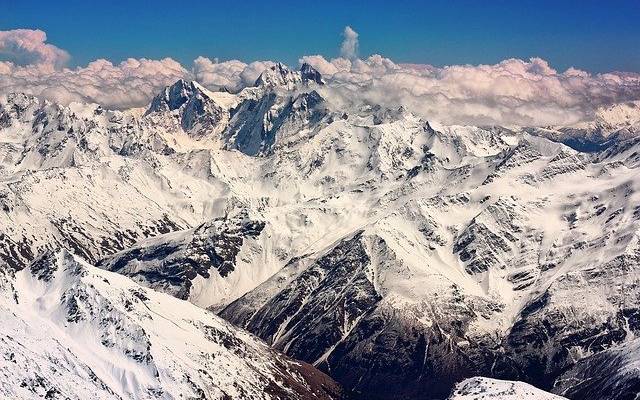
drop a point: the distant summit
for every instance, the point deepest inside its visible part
(311, 74)
(280, 75)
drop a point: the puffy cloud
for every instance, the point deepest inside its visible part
(5, 67)
(215, 75)
(349, 48)
(36, 68)
(253, 71)
(512, 92)
(232, 75)
(131, 83)
(319, 63)
(27, 46)
(33, 66)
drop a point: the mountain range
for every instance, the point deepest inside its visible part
(275, 243)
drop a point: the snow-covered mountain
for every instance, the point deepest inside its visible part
(396, 254)
(73, 331)
(609, 125)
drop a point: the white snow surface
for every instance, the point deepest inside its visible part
(70, 330)
(480, 388)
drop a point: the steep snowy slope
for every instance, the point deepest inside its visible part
(482, 271)
(73, 331)
(300, 198)
(200, 264)
(64, 180)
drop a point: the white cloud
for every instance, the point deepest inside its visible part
(512, 92)
(232, 75)
(27, 47)
(253, 71)
(215, 75)
(131, 83)
(319, 63)
(349, 48)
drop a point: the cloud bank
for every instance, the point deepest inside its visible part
(512, 92)
(128, 84)
(231, 75)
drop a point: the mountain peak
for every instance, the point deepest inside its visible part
(311, 74)
(198, 113)
(278, 75)
(171, 97)
(174, 96)
(619, 115)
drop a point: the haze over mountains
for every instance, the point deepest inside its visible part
(398, 254)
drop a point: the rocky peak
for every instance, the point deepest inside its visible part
(278, 75)
(198, 111)
(172, 97)
(16, 106)
(310, 74)
(175, 96)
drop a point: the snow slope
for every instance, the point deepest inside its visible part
(486, 388)
(477, 264)
(70, 330)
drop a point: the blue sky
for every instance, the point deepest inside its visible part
(596, 36)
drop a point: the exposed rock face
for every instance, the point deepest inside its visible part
(172, 264)
(311, 74)
(192, 105)
(341, 292)
(257, 123)
(281, 76)
(610, 374)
